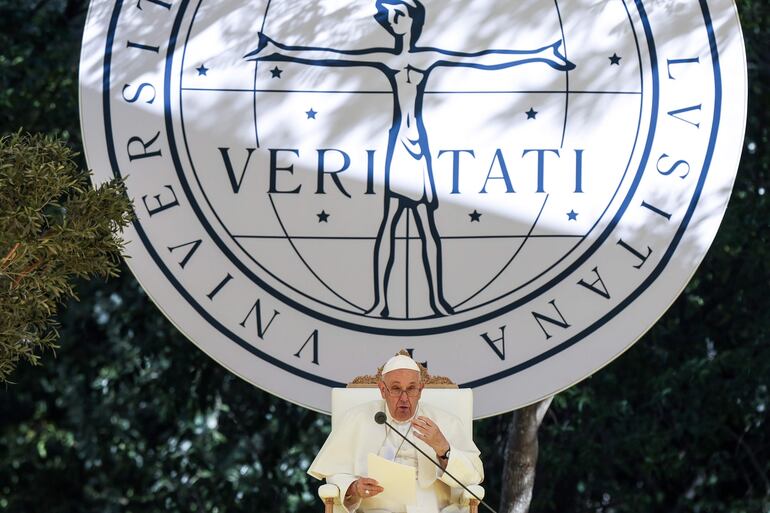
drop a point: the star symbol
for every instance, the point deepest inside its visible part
(276, 72)
(614, 60)
(572, 215)
(323, 217)
(311, 113)
(202, 71)
(475, 217)
(531, 113)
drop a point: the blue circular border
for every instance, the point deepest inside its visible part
(399, 331)
(493, 377)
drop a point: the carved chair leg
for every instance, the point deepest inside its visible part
(474, 506)
(328, 505)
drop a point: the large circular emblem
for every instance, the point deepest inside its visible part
(514, 191)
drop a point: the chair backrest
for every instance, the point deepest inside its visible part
(458, 401)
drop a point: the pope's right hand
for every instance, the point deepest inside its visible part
(366, 487)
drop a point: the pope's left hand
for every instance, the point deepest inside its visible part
(427, 431)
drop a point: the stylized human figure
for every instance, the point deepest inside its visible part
(407, 68)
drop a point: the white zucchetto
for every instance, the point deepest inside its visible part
(400, 362)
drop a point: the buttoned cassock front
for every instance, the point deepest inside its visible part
(343, 458)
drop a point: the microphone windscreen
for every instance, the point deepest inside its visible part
(380, 417)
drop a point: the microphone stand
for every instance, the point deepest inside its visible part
(380, 418)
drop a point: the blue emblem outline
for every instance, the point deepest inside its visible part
(493, 377)
(402, 331)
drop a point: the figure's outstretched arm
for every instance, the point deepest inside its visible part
(499, 59)
(270, 50)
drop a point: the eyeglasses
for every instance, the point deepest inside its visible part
(397, 391)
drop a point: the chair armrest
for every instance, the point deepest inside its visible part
(466, 497)
(330, 491)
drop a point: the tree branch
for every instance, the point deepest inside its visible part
(7, 259)
(521, 450)
(752, 458)
(30, 268)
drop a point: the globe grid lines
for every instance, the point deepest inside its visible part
(254, 91)
(189, 157)
(152, 251)
(289, 238)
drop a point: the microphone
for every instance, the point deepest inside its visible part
(381, 418)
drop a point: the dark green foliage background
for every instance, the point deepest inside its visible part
(129, 417)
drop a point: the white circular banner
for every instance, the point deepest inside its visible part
(514, 191)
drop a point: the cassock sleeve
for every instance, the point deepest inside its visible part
(464, 457)
(343, 482)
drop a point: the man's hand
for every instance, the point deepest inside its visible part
(427, 431)
(363, 488)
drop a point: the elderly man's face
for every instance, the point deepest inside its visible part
(401, 390)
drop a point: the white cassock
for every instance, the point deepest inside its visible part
(343, 458)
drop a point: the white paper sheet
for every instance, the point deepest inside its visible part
(399, 482)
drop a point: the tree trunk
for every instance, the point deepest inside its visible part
(521, 457)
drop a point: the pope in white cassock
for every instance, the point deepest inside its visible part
(342, 460)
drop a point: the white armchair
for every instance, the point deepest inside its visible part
(446, 397)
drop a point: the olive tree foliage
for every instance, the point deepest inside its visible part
(54, 228)
(130, 417)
